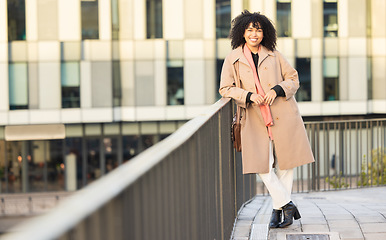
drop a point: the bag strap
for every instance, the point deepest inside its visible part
(237, 81)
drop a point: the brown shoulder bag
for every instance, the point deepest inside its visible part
(236, 126)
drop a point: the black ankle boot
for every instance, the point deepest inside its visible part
(290, 212)
(275, 218)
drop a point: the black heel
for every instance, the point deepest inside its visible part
(297, 214)
(290, 212)
(275, 218)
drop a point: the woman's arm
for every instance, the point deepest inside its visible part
(228, 87)
(290, 83)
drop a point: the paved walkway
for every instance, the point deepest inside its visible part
(18, 207)
(354, 214)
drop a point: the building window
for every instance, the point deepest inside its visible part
(283, 8)
(111, 152)
(154, 18)
(130, 146)
(15, 170)
(330, 19)
(223, 18)
(90, 22)
(74, 163)
(331, 79)
(93, 169)
(45, 166)
(175, 73)
(16, 20)
(114, 19)
(303, 65)
(219, 64)
(70, 76)
(18, 86)
(117, 91)
(369, 78)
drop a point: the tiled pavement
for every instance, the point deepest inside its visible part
(355, 214)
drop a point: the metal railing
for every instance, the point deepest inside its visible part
(188, 186)
(348, 154)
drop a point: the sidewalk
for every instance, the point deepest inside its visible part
(354, 214)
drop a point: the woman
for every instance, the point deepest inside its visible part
(272, 130)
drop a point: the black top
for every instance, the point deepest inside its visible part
(278, 89)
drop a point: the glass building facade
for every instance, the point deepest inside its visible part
(87, 152)
(122, 75)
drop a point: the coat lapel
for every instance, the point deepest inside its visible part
(239, 56)
(263, 54)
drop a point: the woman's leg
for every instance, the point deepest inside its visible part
(276, 188)
(286, 177)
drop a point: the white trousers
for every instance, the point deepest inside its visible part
(279, 183)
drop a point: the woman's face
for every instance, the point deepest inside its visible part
(253, 37)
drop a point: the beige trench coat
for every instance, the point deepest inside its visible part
(291, 143)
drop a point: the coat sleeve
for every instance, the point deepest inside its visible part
(228, 87)
(290, 83)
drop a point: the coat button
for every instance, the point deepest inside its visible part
(277, 118)
(269, 84)
(265, 68)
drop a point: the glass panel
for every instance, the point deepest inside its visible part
(175, 73)
(18, 86)
(149, 127)
(154, 18)
(148, 141)
(303, 65)
(368, 19)
(144, 83)
(93, 129)
(2, 130)
(70, 76)
(90, 22)
(101, 84)
(130, 128)
(369, 78)
(330, 11)
(74, 149)
(115, 19)
(331, 67)
(111, 129)
(117, 91)
(14, 165)
(93, 159)
(16, 20)
(45, 166)
(163, 136)
(36, 165)
(130, 147)
(74, 130)
(111, 152)
(167, 127)
(331, 79)
(55, 166)
(70, 97)
(223, 18)
(283, 18)
(3, 168)
(219, 64)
